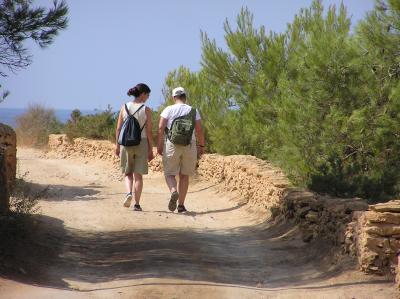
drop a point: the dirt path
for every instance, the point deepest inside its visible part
(86, 245)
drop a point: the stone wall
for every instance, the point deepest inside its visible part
(253, 179)
(320, 216)
(82, 147)
(262, 184)
(8, 142)
(8, 160)
(398, 273)
(374, 237)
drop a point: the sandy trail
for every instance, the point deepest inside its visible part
(86, 245)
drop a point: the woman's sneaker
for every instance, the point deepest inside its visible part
(128, 200)
(137, 207)
(172, 201)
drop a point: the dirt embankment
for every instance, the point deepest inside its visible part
(261, 184)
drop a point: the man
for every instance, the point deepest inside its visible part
(179, 126)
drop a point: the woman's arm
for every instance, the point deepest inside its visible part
(117, 130)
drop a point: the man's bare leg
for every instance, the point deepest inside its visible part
(183, 188)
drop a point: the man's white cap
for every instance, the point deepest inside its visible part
(178, 91)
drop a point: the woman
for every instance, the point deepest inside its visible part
(134, 159)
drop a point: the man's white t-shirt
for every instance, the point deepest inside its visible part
(177, 110)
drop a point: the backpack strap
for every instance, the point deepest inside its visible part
(138, 110)
(127, 110)
(193, 112)
(143, 126)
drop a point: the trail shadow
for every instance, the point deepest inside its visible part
(202, 189)
(51, 192)
(193, 213)
(245, 256)
(29, 245)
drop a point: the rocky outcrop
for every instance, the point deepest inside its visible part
(374, 237)
(8, 142)
(8, 165)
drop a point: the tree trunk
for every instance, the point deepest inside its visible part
(4, 195)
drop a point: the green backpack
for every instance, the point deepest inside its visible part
(182, 128)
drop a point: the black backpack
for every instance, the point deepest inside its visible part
(131, 132)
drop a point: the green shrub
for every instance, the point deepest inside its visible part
(100, 125)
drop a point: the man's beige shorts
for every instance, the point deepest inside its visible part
(179, 158)
(134, 158)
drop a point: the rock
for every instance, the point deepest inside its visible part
(383, 230)
(385, 217)
(312, 216)
(390, 206)
(302, 212)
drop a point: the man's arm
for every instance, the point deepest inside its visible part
(161, 128)
(200, 137)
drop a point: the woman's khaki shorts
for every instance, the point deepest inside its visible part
(179, 158)
(134, 158)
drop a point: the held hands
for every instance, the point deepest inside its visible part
(150, 156)
(160, 150)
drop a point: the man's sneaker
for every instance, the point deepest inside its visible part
(173, 200)
(137, 207)
(128, 200)
(181, 209)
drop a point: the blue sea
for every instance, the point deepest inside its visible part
(8, 115)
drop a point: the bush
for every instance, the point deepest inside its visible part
(35, 126)
(95, 126)
(24, 197)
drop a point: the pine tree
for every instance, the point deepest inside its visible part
(319, 101)
(20, 21)
(249, 71)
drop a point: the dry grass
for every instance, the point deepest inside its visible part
(35, 126)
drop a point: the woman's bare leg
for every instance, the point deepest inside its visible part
(138, 186)
(129, 182)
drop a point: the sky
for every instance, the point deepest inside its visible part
(110, 46)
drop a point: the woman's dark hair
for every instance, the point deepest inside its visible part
(138, 90)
